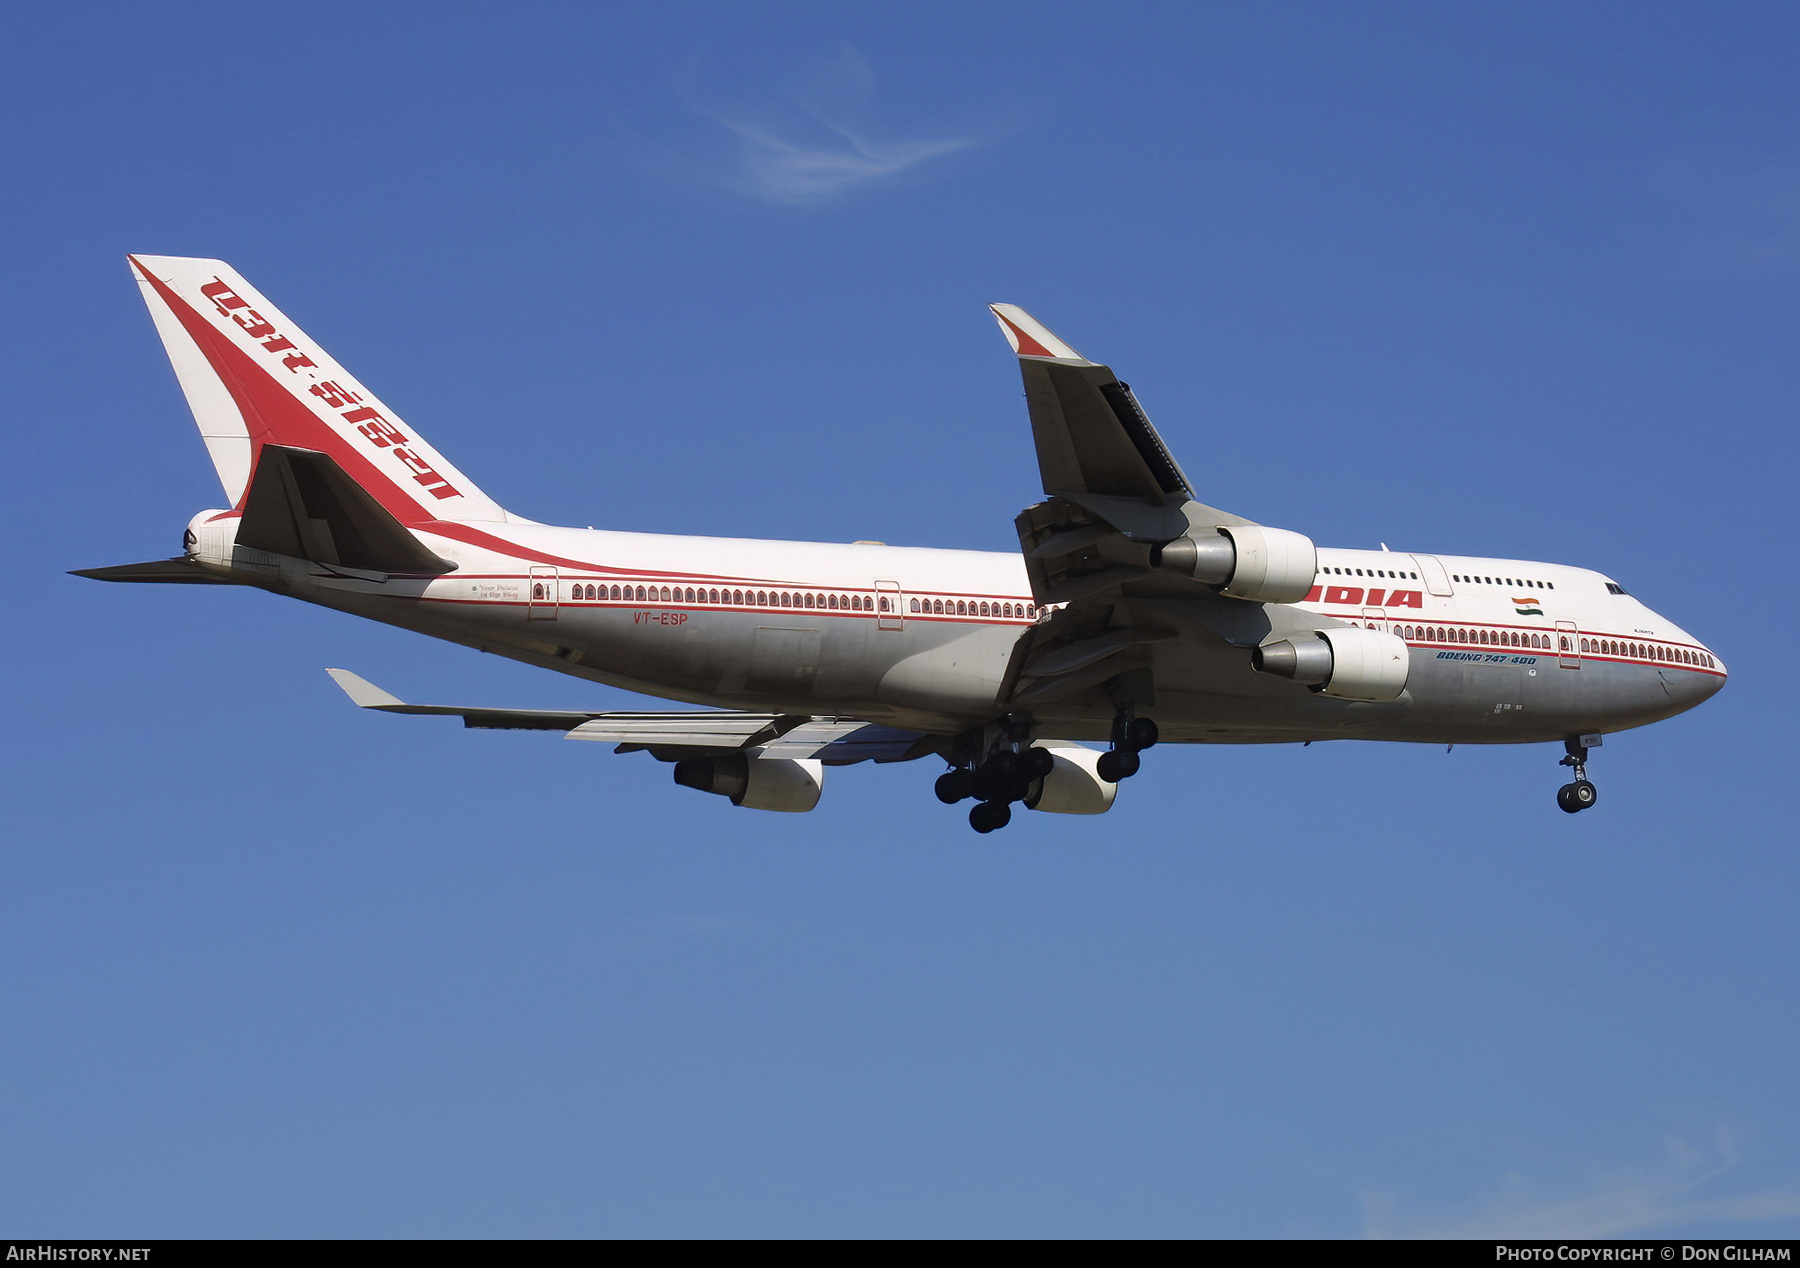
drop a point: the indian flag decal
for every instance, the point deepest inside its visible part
(1527, 607)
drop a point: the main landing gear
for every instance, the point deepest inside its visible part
(1580, 794)
(1008, 770)
(1001, 778)
(1131, 736)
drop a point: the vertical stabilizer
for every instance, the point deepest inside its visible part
(252, 377)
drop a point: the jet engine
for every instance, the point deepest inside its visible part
(761, 783)
(1349, 662)
(1246, 561)
(1073, 786)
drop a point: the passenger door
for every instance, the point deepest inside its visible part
(541, 596)
(889, 610)
(1568, 645)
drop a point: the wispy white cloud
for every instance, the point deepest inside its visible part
(814, 143)
(785, 170)
(1678, 1187)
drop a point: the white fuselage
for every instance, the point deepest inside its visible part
(1502, 651)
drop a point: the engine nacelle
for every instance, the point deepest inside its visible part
(1350, 662)
(791, 785)
(209, 539)
(1247, 561)
(1073, 786)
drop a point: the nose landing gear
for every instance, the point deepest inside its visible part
(1580, 794)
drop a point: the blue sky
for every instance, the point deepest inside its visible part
(1516, 280)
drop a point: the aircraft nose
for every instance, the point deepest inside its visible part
(1689, 687)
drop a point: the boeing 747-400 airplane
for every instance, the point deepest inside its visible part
(1133, 613)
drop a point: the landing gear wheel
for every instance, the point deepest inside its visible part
(1120, 763)
(953, 786)
(1577, 796)
(1141, 733)
(1039, 762)
(990, 816)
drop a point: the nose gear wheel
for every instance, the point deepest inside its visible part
(1578, 795)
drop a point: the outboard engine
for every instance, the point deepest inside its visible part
(1246, 561)
(1350, 662)
(786, 784)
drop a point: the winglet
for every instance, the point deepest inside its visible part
(363, 693)
(1029, 337)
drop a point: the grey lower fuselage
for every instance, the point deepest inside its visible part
(941, 674)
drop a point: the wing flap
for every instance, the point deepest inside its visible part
(844, 743)
(712, 729)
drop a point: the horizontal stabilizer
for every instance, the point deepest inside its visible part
(177, 571)
(302, 504)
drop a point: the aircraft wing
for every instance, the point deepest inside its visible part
(672, 735)
(1095, 444)
(1116, 495)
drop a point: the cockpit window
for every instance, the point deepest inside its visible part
(1613, 587)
